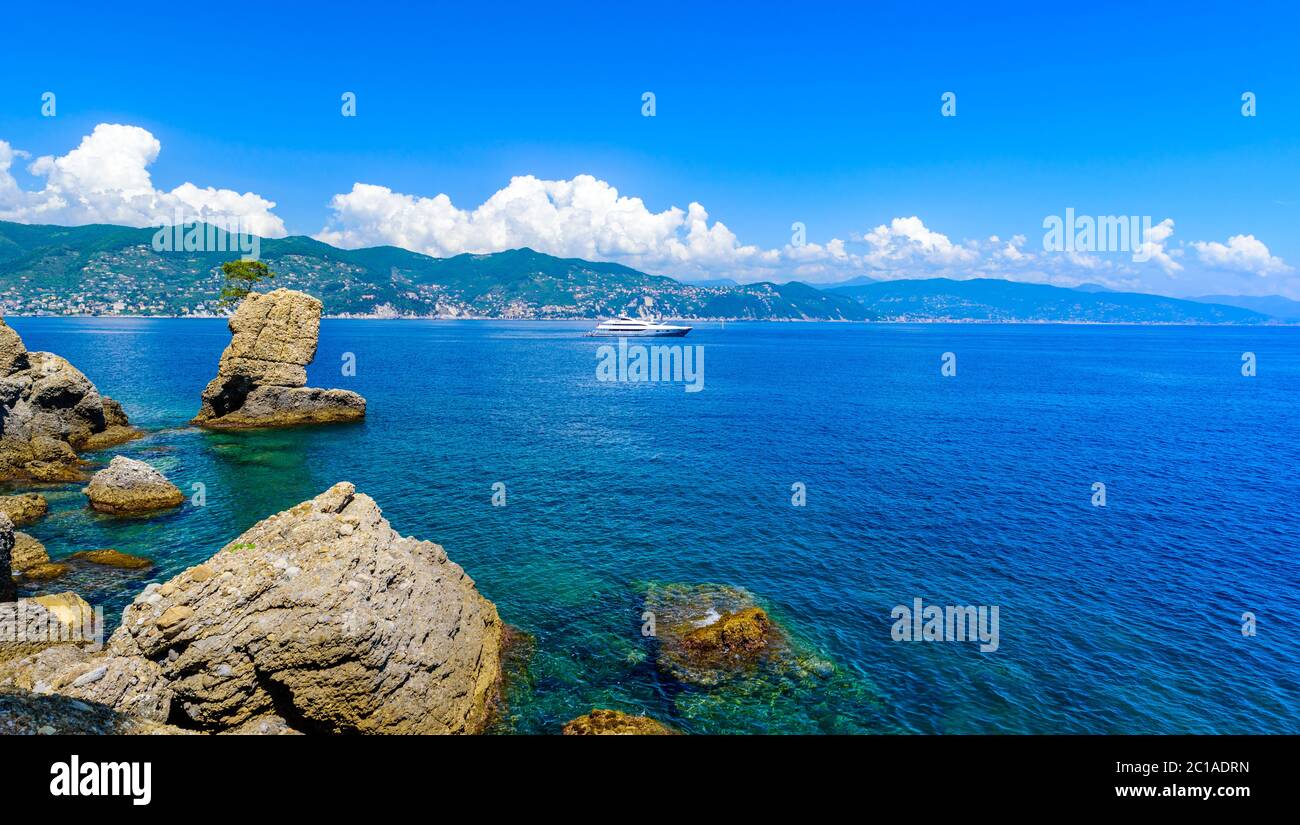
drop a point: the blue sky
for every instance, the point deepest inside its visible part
(828, 116)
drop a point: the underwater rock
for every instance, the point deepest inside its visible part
(113, 558)
(708, 633)
(24, 509)
(128, 486)
(261, 379)
(602, 722)
(321, 615)
(48, 410)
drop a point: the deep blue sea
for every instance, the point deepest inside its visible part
(975, 489)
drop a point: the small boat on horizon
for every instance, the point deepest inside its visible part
(625, 327)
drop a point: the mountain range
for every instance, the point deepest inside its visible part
(113, 270)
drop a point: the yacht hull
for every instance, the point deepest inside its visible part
(653, 333)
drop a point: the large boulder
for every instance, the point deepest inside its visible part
(24, 509)
(27, 553)
(261, 379)
(321, 619)
(48, 411)
(127, 487)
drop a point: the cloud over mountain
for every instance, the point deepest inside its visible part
(106, 179)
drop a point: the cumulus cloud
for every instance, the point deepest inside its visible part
(106, 180)
(583, 217)
(588, 218)
(909, 241)
(1153, 247)
(1242, 253)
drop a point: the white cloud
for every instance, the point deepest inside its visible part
(908, 240)
(583, 217)
(1153, 248)
(588, 218)
(106, 180)
(1242, 253)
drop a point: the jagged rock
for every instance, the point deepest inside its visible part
(27, 553)
(29, 714)
(128, 486)
(708, 634)
(7, 589)
(612, 722)
(48, 410)
(261, 380)
(113, 558)
(322, 616)
(24, 509)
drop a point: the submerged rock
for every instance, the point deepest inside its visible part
(709, 633)
(128, 486)
(44, 571)
(612, 722)
(113, 558)
(24, 509)
(261, 379)
(48, 410)
(321, 617)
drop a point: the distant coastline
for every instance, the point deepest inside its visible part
(689, 320)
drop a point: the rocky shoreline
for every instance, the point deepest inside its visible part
(320, 619)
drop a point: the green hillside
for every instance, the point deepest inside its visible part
(115, 270)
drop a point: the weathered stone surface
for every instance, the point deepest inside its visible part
(24, 509)
(128, 486)
(322, 616)
(291, 406)
(616, 723)
(113, 558)
(29, 714)
(27, 553)
(7, 541)
(29, 626)
(48, 410)
(709, 633)
(263, 372)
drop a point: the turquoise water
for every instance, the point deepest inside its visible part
(967, 490)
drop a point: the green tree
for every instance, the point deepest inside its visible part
(241, 276)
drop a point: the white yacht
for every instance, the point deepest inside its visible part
(625, 327)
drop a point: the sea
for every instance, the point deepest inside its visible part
(1125, 497)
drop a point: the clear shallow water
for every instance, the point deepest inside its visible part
(970, 490)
